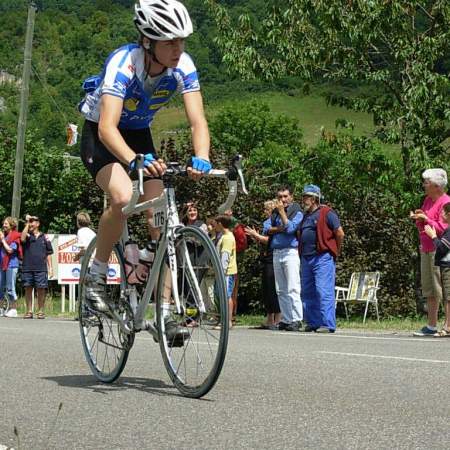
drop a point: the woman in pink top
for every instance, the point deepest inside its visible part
(434, 183)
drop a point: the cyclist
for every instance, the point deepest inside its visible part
(136, 81)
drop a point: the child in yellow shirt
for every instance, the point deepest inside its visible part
(226, 247)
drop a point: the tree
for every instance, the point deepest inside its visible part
(397, 47)
(53, 187)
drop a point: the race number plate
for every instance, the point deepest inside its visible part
(159, 217)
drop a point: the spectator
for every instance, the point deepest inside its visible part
(211, 225)
(442, 259)
(191, 217)
(321, 237)
(10, 250)
(434, 183)
(286, 263)
(241, 245)
(269, 291)
(36, 266)
(84, 234)
(227, 251)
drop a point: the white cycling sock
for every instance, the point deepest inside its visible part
(98, 267)
(166, 310)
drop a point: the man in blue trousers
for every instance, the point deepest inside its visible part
(321, 237)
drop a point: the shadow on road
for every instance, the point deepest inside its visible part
(157, 387)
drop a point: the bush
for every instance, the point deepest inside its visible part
(359, 181)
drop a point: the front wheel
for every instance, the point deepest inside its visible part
(195, 353)
(105, 345)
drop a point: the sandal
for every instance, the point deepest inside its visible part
(263, 326)
(442, 333)
(40, 315)
(28, 315)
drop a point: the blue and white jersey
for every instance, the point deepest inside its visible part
(124, 76)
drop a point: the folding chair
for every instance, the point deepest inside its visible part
(362, 288)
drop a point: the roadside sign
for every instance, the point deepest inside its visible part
(69, 269)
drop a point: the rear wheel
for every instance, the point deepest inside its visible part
(106, 346)
(193, 356)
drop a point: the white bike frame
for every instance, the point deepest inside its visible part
(166, 216)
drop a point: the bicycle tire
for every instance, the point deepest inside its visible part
(202, 351)
(106, 346)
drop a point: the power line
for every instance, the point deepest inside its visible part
(42, 5)
(45, 86)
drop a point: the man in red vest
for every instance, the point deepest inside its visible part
(321, 237)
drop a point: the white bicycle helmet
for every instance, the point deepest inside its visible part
(162, 20)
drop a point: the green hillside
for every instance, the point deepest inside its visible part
(311, 111)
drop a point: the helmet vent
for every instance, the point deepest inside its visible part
(142, 16)
(179, 18)
(150, 32)
(161, 8)
(168, 19)
(162, 28)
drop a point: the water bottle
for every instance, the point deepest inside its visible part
(146, 256)
(138, 261)
(131, 253)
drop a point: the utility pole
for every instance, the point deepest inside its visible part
(22, 124)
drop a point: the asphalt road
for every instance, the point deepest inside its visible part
(277, 390)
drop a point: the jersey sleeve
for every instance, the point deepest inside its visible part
(186, 75)
(119, 73)
(333, 221)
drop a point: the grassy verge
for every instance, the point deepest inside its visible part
(53, 309)
(391, 324)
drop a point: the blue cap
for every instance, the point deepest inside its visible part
(311, 189)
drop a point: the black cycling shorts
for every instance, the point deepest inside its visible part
(95, 155)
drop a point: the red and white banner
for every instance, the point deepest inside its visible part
(69, 269)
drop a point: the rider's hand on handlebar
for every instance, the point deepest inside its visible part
(198, 167)
(153, 167)
(157, 168)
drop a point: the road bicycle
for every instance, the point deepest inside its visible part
(186, 284)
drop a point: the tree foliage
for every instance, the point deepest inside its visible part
(54, 187)
(72, 39)
(400, 47)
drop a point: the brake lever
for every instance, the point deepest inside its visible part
(140, 170)
(237, 165)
